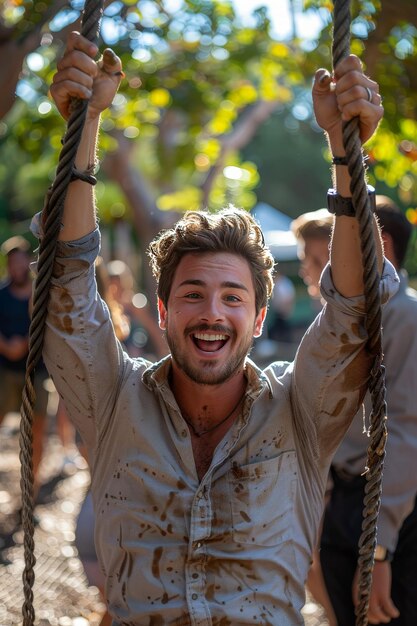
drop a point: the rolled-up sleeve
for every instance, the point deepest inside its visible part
(332, 366)
(81, 352)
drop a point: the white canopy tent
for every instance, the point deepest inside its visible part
(276, 227)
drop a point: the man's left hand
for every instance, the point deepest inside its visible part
(348, 94)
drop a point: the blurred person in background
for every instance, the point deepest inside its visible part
(394, 582)
(313, 232)
(15, 313)
(145, 338)
(281, 308)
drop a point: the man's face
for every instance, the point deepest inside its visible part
(18, 267)
(211, 319)
(314, 258)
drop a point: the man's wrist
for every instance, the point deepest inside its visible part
(340, 205)
(335, 140)
(339, 160)
(92, 118)
(86, 154)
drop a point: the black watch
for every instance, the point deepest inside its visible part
(339, 205)
(382, 554)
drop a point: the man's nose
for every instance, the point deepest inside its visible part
(213, 310)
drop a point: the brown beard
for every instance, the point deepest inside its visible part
(203, 375)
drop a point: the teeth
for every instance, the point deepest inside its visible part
(206, 337)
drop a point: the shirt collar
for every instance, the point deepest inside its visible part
(156, 376)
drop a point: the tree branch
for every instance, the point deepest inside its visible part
(240, 136)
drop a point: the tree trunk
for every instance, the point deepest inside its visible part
(15, 48)
(147, 218)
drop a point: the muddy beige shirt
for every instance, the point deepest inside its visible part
(233, 548)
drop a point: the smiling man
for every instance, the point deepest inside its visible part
(207, 473)
(223, 300)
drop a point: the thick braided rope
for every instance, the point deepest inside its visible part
(378, 432)
(51, 219)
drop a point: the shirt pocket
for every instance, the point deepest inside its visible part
(262, 500)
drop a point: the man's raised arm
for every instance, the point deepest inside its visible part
(349, 93)
(80, 76)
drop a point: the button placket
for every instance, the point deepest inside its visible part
(200, 529)
(200, 516)
(196, 590)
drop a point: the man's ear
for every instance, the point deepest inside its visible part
(162, 314)
(259, 322)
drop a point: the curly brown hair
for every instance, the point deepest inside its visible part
(230, 230)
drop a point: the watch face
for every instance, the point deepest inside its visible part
(380, 553)
(339, 205)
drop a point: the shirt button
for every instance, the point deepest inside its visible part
(194, 596)
(195, 575)
(198, 545)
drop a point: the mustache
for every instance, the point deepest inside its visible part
(201, 328)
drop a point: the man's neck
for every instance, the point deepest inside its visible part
(194, 398)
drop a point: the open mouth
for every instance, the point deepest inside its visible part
(210, 342)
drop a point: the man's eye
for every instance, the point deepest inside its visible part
(232, 298)
(192, 296)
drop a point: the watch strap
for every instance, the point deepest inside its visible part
(339, 160)
(340, 205)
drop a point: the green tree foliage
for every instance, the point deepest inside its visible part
(199, 86)
(384, 35)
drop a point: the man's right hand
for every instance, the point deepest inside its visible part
(347, 100)
(80, 76)
(381, 608)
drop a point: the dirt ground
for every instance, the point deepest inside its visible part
(62, 596)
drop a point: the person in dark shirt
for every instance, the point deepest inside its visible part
(334, 575)
(15, 299)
